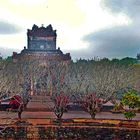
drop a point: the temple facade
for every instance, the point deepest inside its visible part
(41, 44)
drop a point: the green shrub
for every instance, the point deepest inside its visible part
(131, 101)
(129, 114)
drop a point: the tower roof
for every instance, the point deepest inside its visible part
(41, 31)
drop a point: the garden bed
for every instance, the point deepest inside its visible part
(68, 133)
(101, 129)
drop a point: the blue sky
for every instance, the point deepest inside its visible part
(85, 28)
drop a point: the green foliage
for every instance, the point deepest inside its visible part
(131, 99)
(128, 61)
(129, 114)
(116, 61)
(9, 58)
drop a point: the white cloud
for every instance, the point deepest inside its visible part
(73, 19)
(27, 2)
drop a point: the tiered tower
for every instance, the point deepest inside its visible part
(41, 44)
(41, 39)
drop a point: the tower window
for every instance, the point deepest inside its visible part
(41, 46)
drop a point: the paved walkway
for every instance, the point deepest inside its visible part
(40, 103)
(67, 115)
(37, 106)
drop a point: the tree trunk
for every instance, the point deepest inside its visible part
(92, 114)
(20, 110)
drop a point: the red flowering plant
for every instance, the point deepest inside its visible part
(91, 104)
(60, 104)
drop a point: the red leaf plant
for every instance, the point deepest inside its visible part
(91, 104)
(60, 104)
